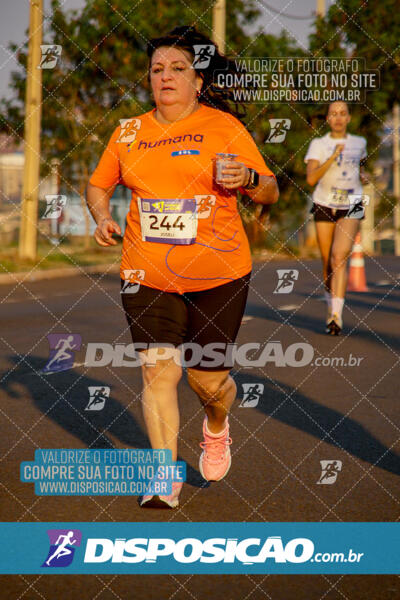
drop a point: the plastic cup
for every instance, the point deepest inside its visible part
(222, 159)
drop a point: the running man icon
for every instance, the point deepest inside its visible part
(132, 279)
(287, 279)
(55, 205)
(98, 397)
(204, 205)
(358, 202)
(330, 470)
(50, 55)
(203, 55)
(129, 129)
(63, 543)
(62, 549)
(251, 394)
(279, 129)
(62, 351)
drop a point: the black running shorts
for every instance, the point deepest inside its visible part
(205, 317)
(324, 213)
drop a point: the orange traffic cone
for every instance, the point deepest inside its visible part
(357, 281)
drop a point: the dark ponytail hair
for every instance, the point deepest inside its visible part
(211, 94)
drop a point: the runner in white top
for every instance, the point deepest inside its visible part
(333, 163)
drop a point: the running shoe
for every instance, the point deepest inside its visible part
(336, 325)
(158, 501)
(215, 460)
(328, 323)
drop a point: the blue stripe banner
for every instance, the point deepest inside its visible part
(214, 548)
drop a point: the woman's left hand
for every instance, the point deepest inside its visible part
(364, 177)
(235, 175)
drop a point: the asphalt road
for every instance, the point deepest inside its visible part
(305, 415)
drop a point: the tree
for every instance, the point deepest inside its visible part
(371, 31)
(102, 77)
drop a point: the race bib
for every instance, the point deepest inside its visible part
(168, 221)
(339, 198)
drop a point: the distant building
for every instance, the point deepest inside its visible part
(11, 180)
(8, 145)
(11, 177)
(11, 170)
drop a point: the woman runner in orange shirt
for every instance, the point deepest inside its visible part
(186, 260)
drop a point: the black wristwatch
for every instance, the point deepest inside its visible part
(253, 181)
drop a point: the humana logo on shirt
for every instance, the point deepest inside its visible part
(197, 137)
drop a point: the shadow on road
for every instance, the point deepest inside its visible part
(62, 398)
(289, 406)
(301, 321)
(367, 300)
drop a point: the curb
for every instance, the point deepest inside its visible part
(39, 275)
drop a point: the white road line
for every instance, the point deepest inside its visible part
(246, 318)
(289, 307)
(383, 282)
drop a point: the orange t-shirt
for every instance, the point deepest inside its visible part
(168, 164)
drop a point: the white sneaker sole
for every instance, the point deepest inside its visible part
(219, 478)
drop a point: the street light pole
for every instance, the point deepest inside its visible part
(321, 8)
(219, 20)
(396, 178)
(33, 103)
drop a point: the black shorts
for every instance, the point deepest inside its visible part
(331, 215)
(205, 317)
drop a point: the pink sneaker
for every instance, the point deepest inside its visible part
(215, 460)
(171, 501)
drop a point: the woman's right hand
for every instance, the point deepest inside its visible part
(338, 149)
(105, 228)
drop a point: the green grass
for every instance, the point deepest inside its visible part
(74, 254)
(54, 257)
